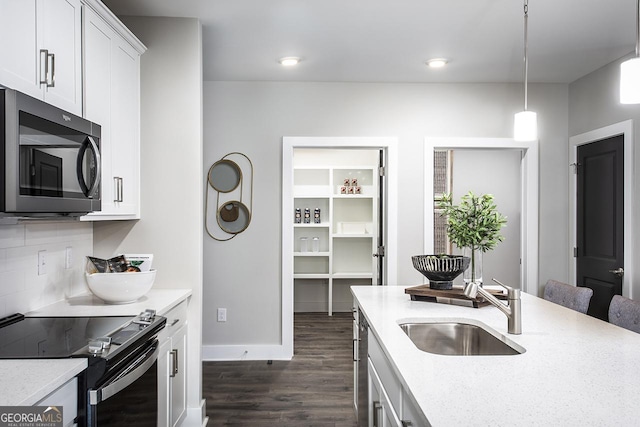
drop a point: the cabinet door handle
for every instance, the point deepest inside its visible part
(377, 407)
(52, 75)
(406, 423)
(44, 66)
(355, 350)
(174, 322)
(174, 362)
(118, 184)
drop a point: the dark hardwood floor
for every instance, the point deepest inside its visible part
(315, 388)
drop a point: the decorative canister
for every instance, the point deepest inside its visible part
(316, 216)
(307, 216)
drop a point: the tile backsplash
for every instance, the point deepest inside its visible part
(22, 288)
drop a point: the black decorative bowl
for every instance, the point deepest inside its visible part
(440, 269)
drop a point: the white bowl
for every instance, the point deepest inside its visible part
(120, 288)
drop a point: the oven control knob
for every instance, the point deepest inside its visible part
(106, 342)
(96, 347)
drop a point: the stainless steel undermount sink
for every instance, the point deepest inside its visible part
(459, 339)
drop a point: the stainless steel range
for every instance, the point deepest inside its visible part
(119, 388)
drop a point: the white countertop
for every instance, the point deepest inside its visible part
(25, 382)
(576, 371)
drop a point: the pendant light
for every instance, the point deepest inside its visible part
(525, 124)
(630, 70)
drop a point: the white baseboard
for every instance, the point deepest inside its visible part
(245, 352)
(196, 416)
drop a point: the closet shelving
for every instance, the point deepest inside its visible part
(347, 232)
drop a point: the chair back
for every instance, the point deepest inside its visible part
(625, 312)
(574, 297)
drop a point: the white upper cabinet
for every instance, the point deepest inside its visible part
(41, 52)
(112, 99)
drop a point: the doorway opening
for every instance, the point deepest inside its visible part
(527, 268)
(356, 232)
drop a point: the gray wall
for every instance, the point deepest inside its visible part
(171, 173)
(243, 275)
(594, 102)
(494, 172)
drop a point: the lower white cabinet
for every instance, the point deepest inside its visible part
(65, 396)
(381, 411)
(172, 379)
(390, 403)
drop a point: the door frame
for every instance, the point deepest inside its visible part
(390, 145)
(625, 129)
(529, 199)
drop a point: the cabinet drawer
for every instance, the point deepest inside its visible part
(387, 376)
(67, 397)
(176, 318)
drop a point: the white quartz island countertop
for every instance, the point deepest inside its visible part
(25, 382)
(576, 371)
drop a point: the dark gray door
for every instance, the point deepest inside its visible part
(600, 221)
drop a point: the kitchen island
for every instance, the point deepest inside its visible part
(576, 370)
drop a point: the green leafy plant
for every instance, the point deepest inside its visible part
(474, 223)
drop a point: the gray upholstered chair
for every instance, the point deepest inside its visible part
(625, 312)
(574, 297)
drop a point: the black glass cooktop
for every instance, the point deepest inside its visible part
(53, 337)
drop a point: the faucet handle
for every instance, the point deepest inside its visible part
(511, 292)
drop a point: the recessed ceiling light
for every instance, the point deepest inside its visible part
(437, 62)
(289, 61)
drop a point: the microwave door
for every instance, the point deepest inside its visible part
(88, 168)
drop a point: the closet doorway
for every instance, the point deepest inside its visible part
(337, 230)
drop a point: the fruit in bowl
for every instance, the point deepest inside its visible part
(120, 288)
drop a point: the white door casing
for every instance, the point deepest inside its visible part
(624, 128)
(288, 145)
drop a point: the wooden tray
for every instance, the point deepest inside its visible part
(453, 296)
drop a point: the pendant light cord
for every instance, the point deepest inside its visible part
(526, 51)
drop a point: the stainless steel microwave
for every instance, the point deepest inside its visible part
(50, 160)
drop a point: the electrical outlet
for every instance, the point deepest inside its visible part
(42, 263)
(222, 315)
(68, 257)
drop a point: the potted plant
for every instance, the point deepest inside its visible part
(473, 226)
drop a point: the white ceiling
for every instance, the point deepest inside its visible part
(390, 40)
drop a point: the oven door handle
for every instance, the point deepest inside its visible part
(127, 377)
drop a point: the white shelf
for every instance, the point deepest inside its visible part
(352, 196)
(311, 225)
(310, 276)
(311, 254)
(352, 236)
(363, 275)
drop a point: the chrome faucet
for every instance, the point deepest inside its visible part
(513, 309)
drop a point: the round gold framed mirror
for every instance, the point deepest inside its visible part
(224, 176)
(233, 217)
